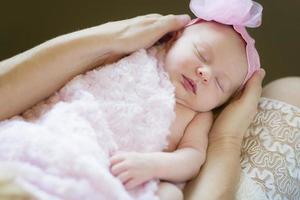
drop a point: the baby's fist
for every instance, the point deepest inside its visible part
(132, 168)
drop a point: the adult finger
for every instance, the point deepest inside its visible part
(171, 23)
(253, 88)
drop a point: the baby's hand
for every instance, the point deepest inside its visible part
(132, 168)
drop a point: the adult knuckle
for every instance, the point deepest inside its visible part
(170, 16)
(154, 15)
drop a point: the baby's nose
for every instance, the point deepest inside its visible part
(204, 74)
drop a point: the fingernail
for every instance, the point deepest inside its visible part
(184, 18)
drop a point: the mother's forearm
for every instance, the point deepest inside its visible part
(35, 74)
(220, 174)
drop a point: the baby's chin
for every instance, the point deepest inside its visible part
(195, 108)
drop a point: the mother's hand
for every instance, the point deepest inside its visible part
(219, 176)
(234, 120)
(143, 31)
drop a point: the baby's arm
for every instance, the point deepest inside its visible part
(184, 163)
(134, 168)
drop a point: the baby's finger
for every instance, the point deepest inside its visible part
(116, 159)
(118, 168)
(124, 177)
(133, 183)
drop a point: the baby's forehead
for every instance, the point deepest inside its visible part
(214, 29)
(223, 39)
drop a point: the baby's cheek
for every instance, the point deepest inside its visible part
(176, 68)
(207, 102)
(177, 61)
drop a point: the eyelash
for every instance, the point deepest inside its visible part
(218, 85)
(197, 53)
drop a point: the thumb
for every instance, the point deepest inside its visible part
(253, 88)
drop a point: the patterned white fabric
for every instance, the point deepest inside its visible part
(249, 190)
(271, 150)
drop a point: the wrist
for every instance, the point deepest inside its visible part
(94, 40)
(89, 47)
(111, 35)
(226, 143)
(157, 163)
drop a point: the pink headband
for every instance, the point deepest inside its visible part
(239, 14)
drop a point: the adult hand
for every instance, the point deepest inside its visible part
(143, 31)
(222, 167)
(234, 120)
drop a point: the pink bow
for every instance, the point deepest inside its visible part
(232, 12)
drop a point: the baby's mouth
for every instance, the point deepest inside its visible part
(189, 84)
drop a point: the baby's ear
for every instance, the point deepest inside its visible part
(170, 37)
(177, 34)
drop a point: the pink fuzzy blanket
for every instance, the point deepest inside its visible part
(61, 147)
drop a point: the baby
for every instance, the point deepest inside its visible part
(207, 63)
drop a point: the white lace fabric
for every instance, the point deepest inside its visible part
(271, 150)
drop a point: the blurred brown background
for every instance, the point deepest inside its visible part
(25, 24)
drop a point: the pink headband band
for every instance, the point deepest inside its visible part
(238, 13)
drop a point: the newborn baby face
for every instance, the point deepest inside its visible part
(206, 64)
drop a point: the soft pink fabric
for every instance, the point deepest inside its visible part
(238, 13)
(61, 147)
